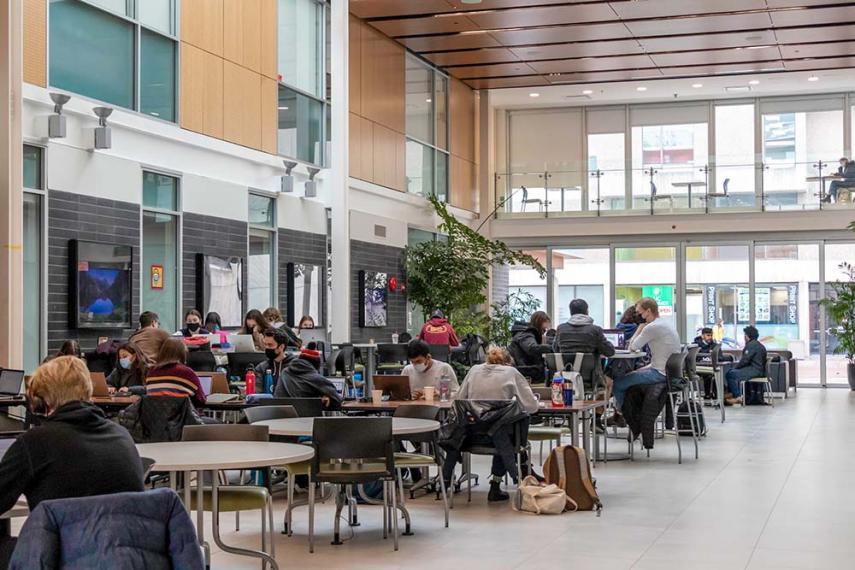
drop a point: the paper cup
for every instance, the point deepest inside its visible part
(429, 392)
(377, 397)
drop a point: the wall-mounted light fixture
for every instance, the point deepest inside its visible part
(56, 123)
(311, 184)
(103, 133)
(287, 181)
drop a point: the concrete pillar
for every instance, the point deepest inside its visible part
(340, 304)
(11, 184)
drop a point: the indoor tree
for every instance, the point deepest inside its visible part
(840, 305)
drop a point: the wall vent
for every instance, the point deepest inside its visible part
(379, 231)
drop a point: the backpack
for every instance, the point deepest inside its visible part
(684, 424)
(540, 499)
(567, 466)
(574, 376)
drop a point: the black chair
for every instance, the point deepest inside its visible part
(342, 360)
(404, 460)
(678, 394)
(439, 351)
(391, 358)
(147, 464)
(202, 361)
(240, 361)
(353, 451)
(257, 414)
(305, 407)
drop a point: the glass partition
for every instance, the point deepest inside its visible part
(606, 177)
(581, 274)
(835, 364)
(734, 158)
(646, 272)
(525, 279)
(716, 289)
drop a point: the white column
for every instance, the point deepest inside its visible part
(340, 303)
(11, 183)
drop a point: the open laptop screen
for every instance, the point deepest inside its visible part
(10, 382)
(206, 382)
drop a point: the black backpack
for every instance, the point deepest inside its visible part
(684, 424)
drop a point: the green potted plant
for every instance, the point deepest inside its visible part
(840, 308)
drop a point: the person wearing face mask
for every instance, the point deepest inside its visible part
(275, 348)
(130, 369)
(193, 324)
(527, 346)
(424, 371)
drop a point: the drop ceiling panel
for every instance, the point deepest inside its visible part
(472, 57)
(592, 49)
(818, 50)
(827, 63)
(814, 16)
(724, 68)
(592, 64)
(561, 34)
(661, 8)
(496, 70)
(816, 34)
(421, 26)
(708, 41)
(600, 76)
(527, 17)
(505, 82)
(381, 8)
(700, 24)
(497, 4)
(716, 56)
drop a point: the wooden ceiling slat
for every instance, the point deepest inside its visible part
(832, 49)
(381, 8)
(736, 55)
(816, 34)
(495, 70)
(422, 26)
(814, 16)
(452, 42)
(504, 82)
(560, 34)
(592, 64)
(819, 63)
(526, 17)
(664, 8)
(591, 49)
(700, 24)
(708, 41)
(473, 57)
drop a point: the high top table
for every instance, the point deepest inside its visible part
(213, 456)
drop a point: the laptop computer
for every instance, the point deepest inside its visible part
(99, 385)
(216, 388)
(396, 387)
(11, 381)
(242, 342)
(616, 337)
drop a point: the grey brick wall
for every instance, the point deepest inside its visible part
(300, 247)
(211, 236)
(373, 257)
(74, 216)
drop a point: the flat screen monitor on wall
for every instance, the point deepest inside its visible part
(219, 288)
(100, 279)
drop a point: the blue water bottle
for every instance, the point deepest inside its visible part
(268, 382)
(358, 387)
(568, 394)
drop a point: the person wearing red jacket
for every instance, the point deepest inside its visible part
(439, 331)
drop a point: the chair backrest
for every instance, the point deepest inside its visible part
(202, 361)
(305, 407)
(341, 360)
(353, 438)
(691, 361)
(674, 368)
(391, 353)
(240, 361)
(588, 364)
(262, 413)
(724, 185)
(417, 411)
(715, 355)
(524, 193)
(226, 432)
(439, 351)
(147, 464)
(652, 188)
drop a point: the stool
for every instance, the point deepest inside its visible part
(765, 382)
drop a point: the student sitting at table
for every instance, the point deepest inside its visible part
(706, 343)
(301, 378)
(193, 324)
(273, 317)
(149, 337)
(423, 370)
(528, 346)
(171, 376)
(74, 452)
(213, 322)
(751, 365)
(130, 369)
(276, 342)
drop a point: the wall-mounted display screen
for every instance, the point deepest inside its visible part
(101, 285)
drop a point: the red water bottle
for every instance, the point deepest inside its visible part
(249, 379)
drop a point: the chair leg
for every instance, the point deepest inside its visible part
(339, 506)
(742, 389)
(264, 535)
(311, 516)
(400, 484)
(771, 394)
(270, 527)
(690, 404)
(674, 428)
(290, 508)
(394, 514)
(444, 495)
(468, 463)
(237, 521)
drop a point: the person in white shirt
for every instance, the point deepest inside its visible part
(662, 340)
(423, 370)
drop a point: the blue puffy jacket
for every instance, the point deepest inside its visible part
(146, 531)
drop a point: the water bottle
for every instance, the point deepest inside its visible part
(268, 381)
(358, 387)
(568, 394)
(394, 338)
(558, 391)
(249, 380)
(444, 388)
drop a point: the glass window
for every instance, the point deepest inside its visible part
(160, 267)
(261, 269)
(123, 7)
(160, 191)
(835, 363)
(646, 272)
(441, 176)
(261, 211)
(716, 290)
(734, 156)
(300, 52)
(91, 53)
(440, 99)
(300, 126)
(157, 14)
(32, 325)
(420, 123)
(582, 274)
(33, 167)
(157, 76)
(526, 279)
(419, 168)
(607, 181)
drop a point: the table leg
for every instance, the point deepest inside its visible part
(215, 528)
(369, 371)
(586, 434)
(719, 381)
(574, 428)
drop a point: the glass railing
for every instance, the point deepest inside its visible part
(673, 189)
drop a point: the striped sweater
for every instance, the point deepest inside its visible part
(175, 380)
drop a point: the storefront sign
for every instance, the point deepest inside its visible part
(711, 309)
(793, 304)
(663, 295)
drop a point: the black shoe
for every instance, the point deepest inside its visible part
(537, 476)
(617, 421)
(496, 494)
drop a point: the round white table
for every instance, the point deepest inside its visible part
(627, 354)
(303, 426)
(213, 456)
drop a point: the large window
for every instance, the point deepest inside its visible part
(262, 252)
(160, 227)
(646, 272)
(427, 130)
(121, 52)
(717, 292)
(33, 248)
(581, 274)
(734, 157)
(303, 91)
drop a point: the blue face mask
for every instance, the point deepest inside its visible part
(125, 363)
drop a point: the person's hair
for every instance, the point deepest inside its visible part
(139, 360)
(751, 332)
(172, 351)
(499, 355)
(538, 318)
(305, 318)
(60, 381)
(148, 318)
(272, 315)
(842, 158)
(437, 314)
(195, 313)
(650, 304)
(416, 348)
(578, 307)
(213, 319)
(629, 316)
(706, 330)
(69, 348)
(279, 335)
(260, 321)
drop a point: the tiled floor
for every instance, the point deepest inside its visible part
(771, 490)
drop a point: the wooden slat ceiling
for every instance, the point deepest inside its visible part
(520, 43)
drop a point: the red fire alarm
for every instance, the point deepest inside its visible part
(393, 284)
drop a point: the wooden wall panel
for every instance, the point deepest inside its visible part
(269, 115)
(201, 91)
(35, 42)
(251, 35)
(354, 148)
(400, 163)
(202, 24)
(269, 30)
(382, 80)
(464, 184)
(366, 138)
(463, 110)
(233, 31)
(386, 167)
(241, 105)
(355, 66)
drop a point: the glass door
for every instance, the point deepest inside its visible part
(717, 292)
(646, 272)
(835, 363)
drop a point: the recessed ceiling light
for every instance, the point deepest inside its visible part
(283, 108)
(428, 100)
(586, 92)
(534, 94)
(470, 1)
(641, 88)
(754, 82)
(813, 78)
(697, 85)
